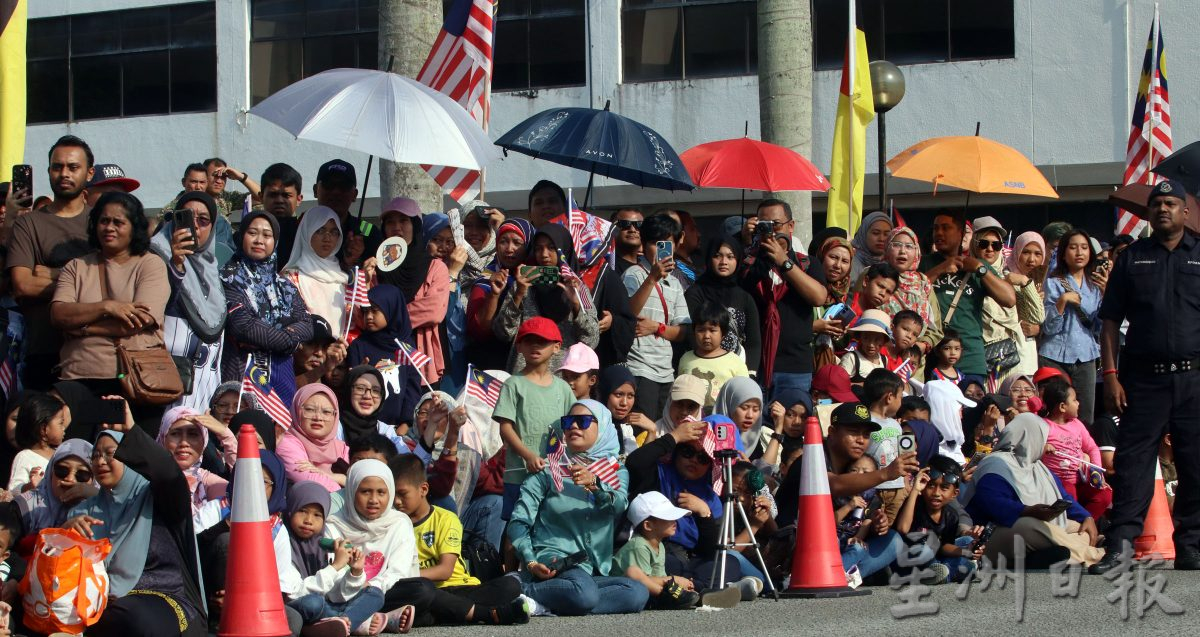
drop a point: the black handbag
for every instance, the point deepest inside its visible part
(1002, 355)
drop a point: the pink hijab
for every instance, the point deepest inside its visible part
(1014, 260)
(197, 477)
(322, 453)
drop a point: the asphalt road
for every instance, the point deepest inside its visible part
(989, 612)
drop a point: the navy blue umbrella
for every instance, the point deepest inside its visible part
(602, 143)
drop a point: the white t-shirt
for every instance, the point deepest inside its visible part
(25, 462)
(885, 447)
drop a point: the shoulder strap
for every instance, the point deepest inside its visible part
(661, 298)
(962, 285)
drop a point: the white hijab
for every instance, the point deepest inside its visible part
(359, 530)
(321, 281)
(946, 401)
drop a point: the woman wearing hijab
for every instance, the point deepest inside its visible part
(836, 257)
(195, 314)
(741, 400)
(870, 243)
(265, 429)
(1026, 274)
(143, 510)
(560, 302)
(685, 402)
(385, 325)
(549, 524)
(315, 270)
(946, 402)
(1014, 490)
(915, 292)
(513, 239)
(719, 285)
(310, 450)
(67, 483)
(267, 318)
(361, 403)
(184, 433)
(1020, 389)
(451, 331)
(617, 389)
(424, 281)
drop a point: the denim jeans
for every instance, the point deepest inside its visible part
(574, 592)
(446, 502)
(512, 493)
(483, 517)
(789, 389)
(961, 568)
(749, 566)
(879, 553)
(314, 607)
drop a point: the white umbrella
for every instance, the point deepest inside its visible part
(381, 114)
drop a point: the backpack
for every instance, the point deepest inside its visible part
(482, 559)
(65, 588)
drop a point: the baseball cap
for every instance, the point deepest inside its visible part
(540, 326)
(835, 381)
(1168, 188)
(990, 223)
(580, 359)
(337, 170)
(653, 504)
(404, 206)
(1046, 373)
(873, 321)
(851, 414)
(112, 175)
(688, 387)
(322, 332)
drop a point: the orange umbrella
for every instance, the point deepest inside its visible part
(972, 163)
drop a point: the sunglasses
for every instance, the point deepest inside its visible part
(983, 244)
(62, 472)
(626, 224)
(582, 422)
(688, 452)
(948, 479)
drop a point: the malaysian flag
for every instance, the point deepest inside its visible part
(555, 458)
(1150, 130)
(605, 470)
(414, 356)
(358, 295)
(460, 65)
(8, 377)
(710, 447)
(483, 386)
(257, 381)
(581, 288)
(905, 369)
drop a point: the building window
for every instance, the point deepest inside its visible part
(539, 44)
(294, 39)
(916, 31)
(679, 39)
(122, 63)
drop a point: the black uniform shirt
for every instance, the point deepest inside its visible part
(1159, 292)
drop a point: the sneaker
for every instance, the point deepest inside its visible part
(514, 612)
(675, 597)
(536, 609)
(727, 597)
(938, 574)
(750, 587)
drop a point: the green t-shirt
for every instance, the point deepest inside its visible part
(533, 410)
(968, 316)
(638, 552)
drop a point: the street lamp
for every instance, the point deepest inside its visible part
(887, 88)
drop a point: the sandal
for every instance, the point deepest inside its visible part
(372, 626)
(401, 619)
(329, 627)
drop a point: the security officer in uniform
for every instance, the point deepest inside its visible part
(1156, 387)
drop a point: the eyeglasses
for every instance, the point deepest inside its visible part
(626, 224)
(688, 452)
(1021, 391)
(983, 244)
(328, 233)
(62, 472)
(582, 421)
(106, 456)
(366, 390)
(313, 413)
(902, 245)
(948, 479)
(203, 222)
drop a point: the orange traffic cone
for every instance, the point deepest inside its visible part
(1157, 529)
(253, 603)
(817, 562)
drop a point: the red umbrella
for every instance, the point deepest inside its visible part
(750, 164)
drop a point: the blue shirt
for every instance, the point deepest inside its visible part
(995, 500)
(1070, 337)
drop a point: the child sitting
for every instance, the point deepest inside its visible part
(708, 361)
(913, 408)
(376, 446)
(644, 557)
(906, 329)
(879, 283)
(581, 370)
(788, 437)
(871, 332)
(882, 393)
(460, 598)
(849, 511)
(1070, 448)
(41, 424)
(943, 358)
(927, 511)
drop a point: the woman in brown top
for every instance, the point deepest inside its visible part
(127, 308)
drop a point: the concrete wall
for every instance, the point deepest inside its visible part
(1064, 101)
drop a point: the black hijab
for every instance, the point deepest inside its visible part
(552, 302)
(710, 278)
(262, 424)
(412, 273)
(353, 425)
(376, 346)
(820, 237)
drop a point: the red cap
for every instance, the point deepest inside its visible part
(540, 326)
(835, 381)
(1046, 373)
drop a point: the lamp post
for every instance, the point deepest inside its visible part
(887, 88)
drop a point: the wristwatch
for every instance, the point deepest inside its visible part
(982, 270)
(787, 266)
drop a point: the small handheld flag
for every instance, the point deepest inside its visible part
(416, 358)
(257, 381)
(483, 386)
(554, 459)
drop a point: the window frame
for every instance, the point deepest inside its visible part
(681, 6)
(527, 18)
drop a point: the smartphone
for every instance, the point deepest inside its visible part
(872, 507)
(1060, 506)
(561, 564)
(111, 411)
(984, 536)
(664, 250)
(22, 180)
(908, 442)
(541, 274)
(979, 455)
(185, 218)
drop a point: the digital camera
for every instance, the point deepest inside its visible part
(724, 437)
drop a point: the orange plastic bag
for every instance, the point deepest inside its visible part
(65, 588)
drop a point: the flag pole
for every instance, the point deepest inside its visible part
(1155, 33)
(851, 54)
(242, 385)
(353, 306)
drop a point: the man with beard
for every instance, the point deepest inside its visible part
(44, 241)
(628, 237)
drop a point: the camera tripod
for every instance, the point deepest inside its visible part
(727, 541)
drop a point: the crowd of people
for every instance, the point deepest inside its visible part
(465, 419)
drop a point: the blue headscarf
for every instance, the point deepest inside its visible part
(607, 443)
(40, 508)
(432, 224)
(272, 466)
(128, 514)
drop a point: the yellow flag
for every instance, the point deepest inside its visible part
(856, 109)
(12, 84)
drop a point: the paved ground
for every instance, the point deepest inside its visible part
(989, 612)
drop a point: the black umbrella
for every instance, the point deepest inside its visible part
(600, 142)
(1182, 165)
